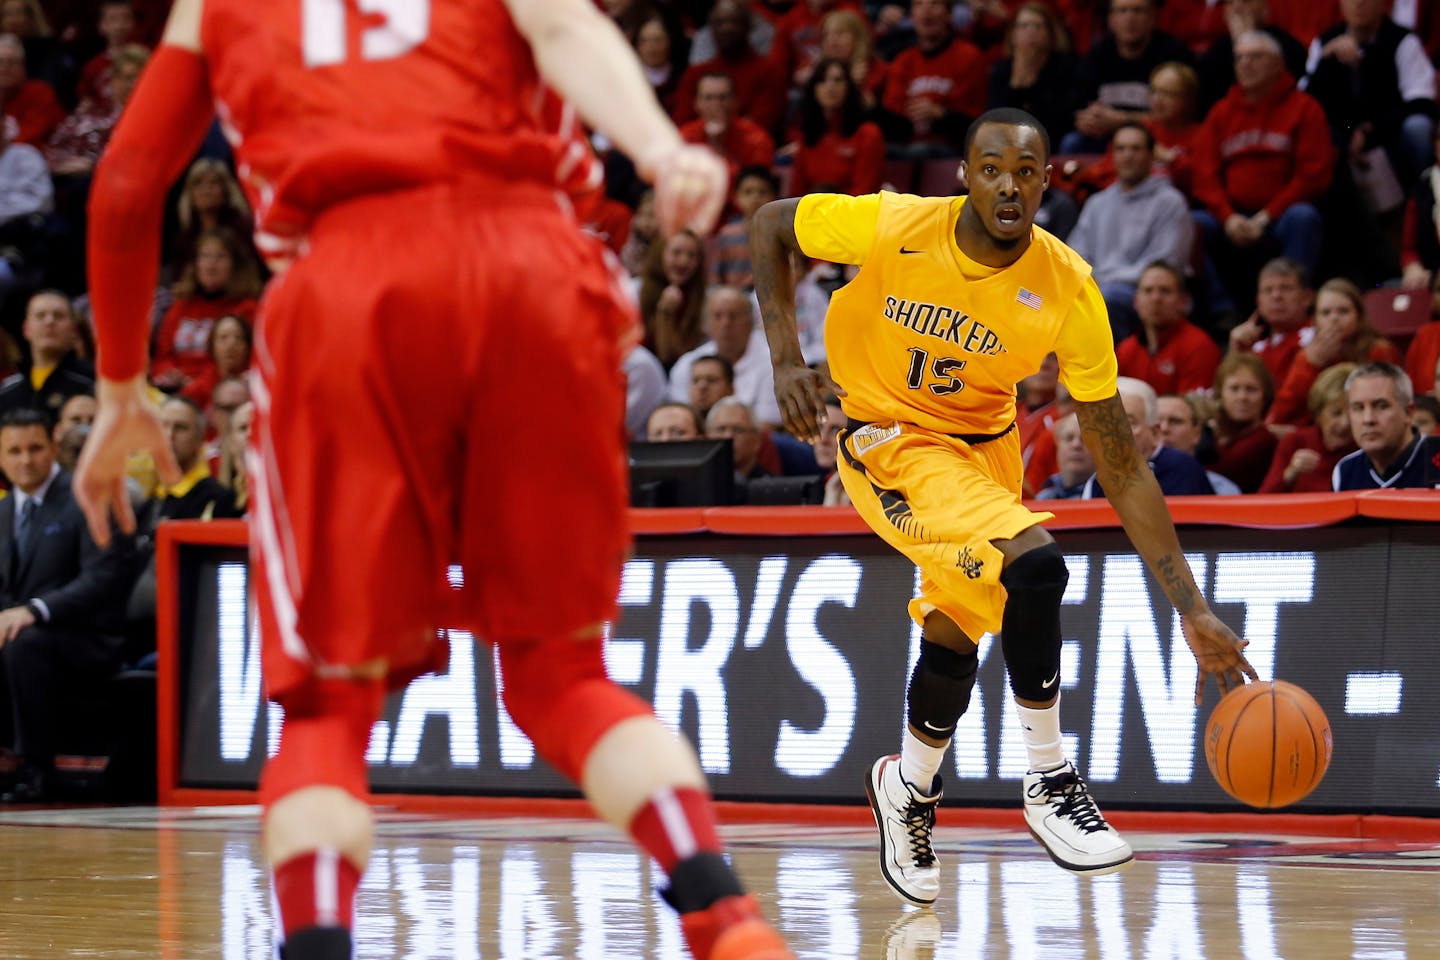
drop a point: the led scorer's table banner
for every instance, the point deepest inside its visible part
(785, 658)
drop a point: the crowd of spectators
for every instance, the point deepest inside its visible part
(1242, 174)
(1239, 173)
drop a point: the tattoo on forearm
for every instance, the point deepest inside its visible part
(1109, 428)
(1178, 586)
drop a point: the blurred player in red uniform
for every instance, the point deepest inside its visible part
(437, 380)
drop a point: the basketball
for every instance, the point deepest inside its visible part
(1268, 744)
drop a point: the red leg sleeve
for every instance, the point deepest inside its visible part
(557, 692)
(323, 742)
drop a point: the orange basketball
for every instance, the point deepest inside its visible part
(1268, 744)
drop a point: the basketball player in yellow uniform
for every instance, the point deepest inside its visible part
(956, 301)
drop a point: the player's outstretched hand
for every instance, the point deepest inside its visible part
(800, 394)
(691, 183)
(125, 423)
(1218, 651)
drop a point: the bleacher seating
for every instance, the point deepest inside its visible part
(1397, 314)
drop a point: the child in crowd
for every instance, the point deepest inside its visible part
(730, 247)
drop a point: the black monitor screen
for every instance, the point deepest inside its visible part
(682, 473)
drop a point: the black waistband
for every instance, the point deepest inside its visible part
(851, 425)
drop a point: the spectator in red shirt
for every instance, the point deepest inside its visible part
(936, 87)
(117, 26)
(45, 59)
(222, 279)
(797, 37)
(743, 143)
(1217, 64)
(1174, 89)
(1305, 457)
(1236, 443)
(759, 86)
(845, 37)
(1424, 352)
(1281, 318)
(75, 146)
(1262, 160)
(1168, 352)
(30, 103)
(838, 151)
(1342, 334)
(228, 349)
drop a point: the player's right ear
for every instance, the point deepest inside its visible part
(963, 175)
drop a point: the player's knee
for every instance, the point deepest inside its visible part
(537, 673)
(1030, 629)
(557, 692)
(1036, 576)
(940, 688)
(324, 740)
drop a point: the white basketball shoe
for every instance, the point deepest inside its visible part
(905, 817)
(1062, 815)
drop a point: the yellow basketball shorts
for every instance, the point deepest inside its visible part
(941, 501)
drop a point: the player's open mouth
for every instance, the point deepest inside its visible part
(1008, 215)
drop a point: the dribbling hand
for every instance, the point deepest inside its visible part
(800, 394)
(691, 183)
(1218, 651)
(125, 423)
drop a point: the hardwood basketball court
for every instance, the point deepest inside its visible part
(188, 884)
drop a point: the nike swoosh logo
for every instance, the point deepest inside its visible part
(904, 250)
(1051, 682)
(932, 726)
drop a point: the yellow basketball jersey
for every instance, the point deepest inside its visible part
(925, 335)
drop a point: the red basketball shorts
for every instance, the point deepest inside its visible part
(437, 381)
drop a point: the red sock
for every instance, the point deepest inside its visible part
(675, 824)
(316, 889)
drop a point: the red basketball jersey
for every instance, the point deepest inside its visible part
(323, 102)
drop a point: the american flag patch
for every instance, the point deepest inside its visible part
(1031, 300)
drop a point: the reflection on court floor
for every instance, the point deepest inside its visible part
(506, 889)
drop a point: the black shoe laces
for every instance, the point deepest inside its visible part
(919, 821)
(1075, 803)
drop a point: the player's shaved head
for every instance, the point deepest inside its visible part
(1009, 117)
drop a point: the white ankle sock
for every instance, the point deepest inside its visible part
(1042, 736)
(919, 762)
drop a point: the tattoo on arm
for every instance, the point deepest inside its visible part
(772, 244)
(1176, 583)
(1107, 433)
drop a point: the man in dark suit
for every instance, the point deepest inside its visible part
(61, 597)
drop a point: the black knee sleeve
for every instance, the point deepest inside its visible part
(1030, 627)
(940, 688)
